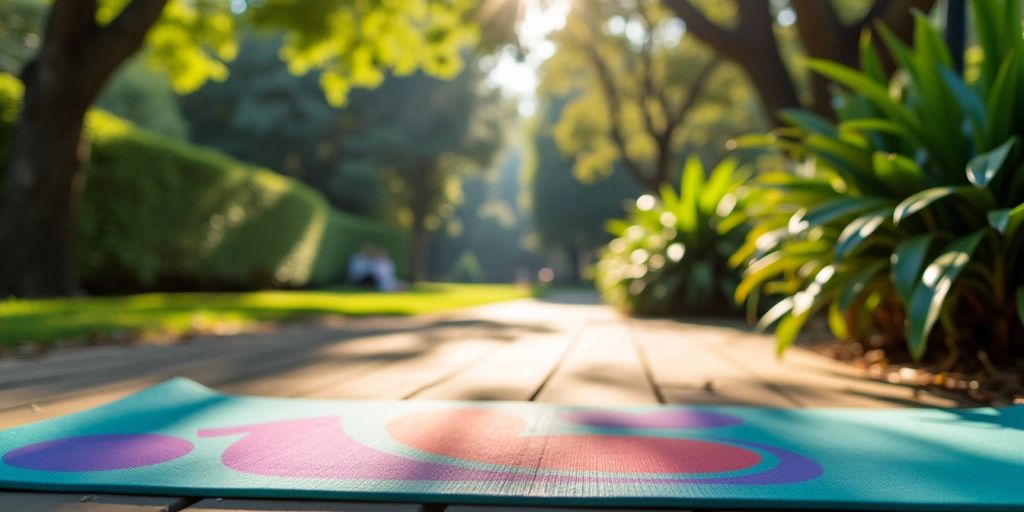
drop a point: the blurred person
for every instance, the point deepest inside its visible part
(382, 268)
(361, 268)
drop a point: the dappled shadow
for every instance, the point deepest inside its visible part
(249, 357)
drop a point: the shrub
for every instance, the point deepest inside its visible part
(467, 268)
(670, 254)
(161, 214)
(905, 218)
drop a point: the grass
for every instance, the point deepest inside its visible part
(49, 320)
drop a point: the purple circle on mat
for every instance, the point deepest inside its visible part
(98, 453)
(655, 420)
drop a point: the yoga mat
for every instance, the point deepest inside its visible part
(180, 438)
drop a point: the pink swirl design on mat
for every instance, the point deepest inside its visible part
(495, 437)
(320, 448)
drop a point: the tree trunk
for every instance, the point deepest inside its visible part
(752, 44)
(44, 179)
(424, 191)
(572, 254)
(771, 79)
(43, 184)
(419, 248)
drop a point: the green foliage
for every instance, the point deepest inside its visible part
(490, 223)
(568, 216)
(467, 269)
(159, 214)
(670, 255)
(144, 97)
(20, 23)
(423, 135)
(353, 44)
(905, 217)
(265, 115)
(11, 92)
(650, 91)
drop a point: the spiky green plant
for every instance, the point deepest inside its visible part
(905, 218)
(670, 255)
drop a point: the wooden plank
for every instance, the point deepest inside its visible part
(746, 392)
(342, 362)
(404, 377)
(252, 366)
(681, 355)
(229, 362)
(748, 373)
(232, 505)
(602, 367)
(69, 363)
(258, 373)
(514, 372)
(688, 368)
(722, 362)
(23, 415)
(756, 353)
(67, 502)
(80, 372)
(816, 381)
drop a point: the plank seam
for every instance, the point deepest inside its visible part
(645, 364)
(757, 377)
(182, 504)
(573, 341)
(461, 369)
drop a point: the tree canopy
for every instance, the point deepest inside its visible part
(642, 93)
(352, 44)
(569, 215)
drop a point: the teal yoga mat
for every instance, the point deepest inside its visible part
(180, 438)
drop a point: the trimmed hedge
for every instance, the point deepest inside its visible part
(160, 214)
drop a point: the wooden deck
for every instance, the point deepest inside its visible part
(566, 349)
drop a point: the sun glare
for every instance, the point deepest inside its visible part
(518, 77)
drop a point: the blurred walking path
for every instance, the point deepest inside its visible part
(563, 349)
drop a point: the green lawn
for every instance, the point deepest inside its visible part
(45, 321)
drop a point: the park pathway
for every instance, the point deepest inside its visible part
(565, 349)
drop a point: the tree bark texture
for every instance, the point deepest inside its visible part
(752, 45)
(44, 175)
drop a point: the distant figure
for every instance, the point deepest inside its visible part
(361, 268)
(383, 269)
(373, 268)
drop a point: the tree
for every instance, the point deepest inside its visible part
(265, 115)
(822, 31)
(642, 87)
(423, 135)
(85, 41)
(568, 216)
(489, 225)
(144, 97)
(20, 21)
